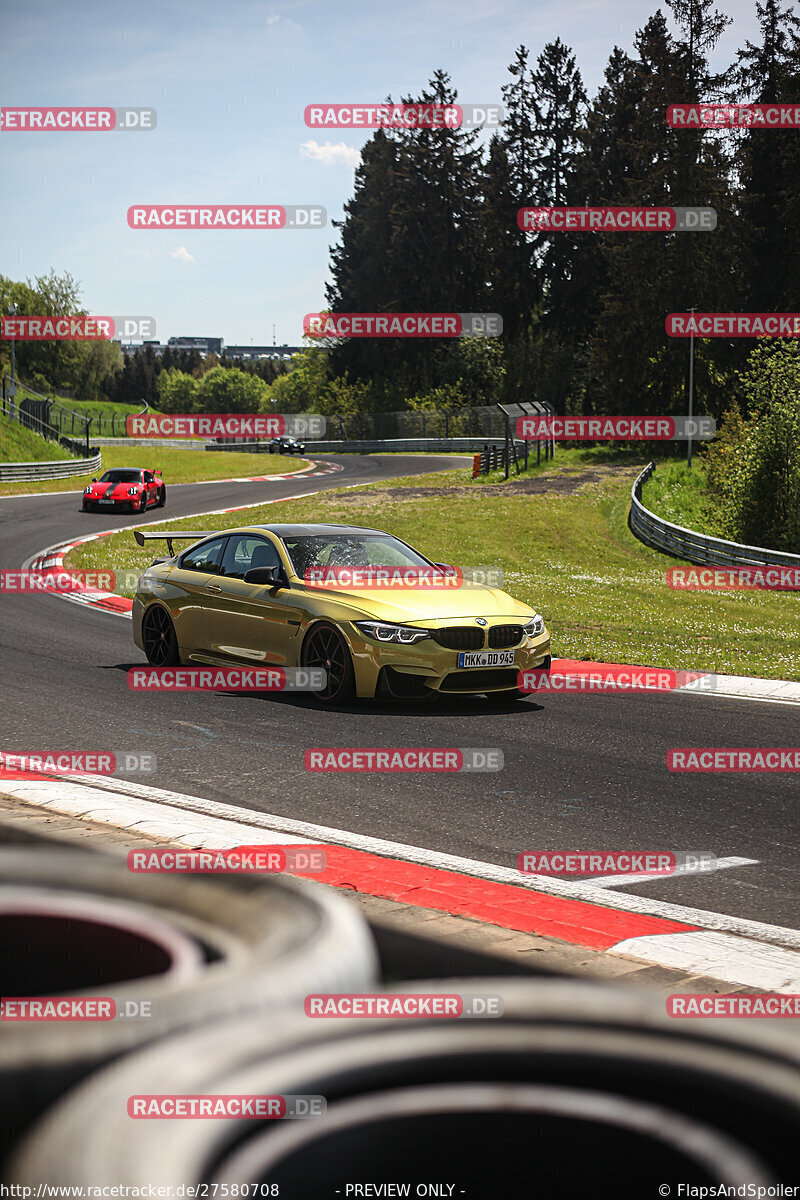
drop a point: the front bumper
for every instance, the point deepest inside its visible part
(436, 668)
(130, 504)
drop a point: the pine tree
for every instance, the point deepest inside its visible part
(769, 166)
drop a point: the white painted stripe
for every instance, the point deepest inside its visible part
(50, 795)
(743, 687)
(65, 547)
(726, 687)
(722, 864)
(137, 815)
(197, 482)
(720, 956)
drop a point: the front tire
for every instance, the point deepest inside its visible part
(326, 647)
(159, 638)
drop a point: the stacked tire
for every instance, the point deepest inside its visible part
(577, 1089)
(195, 949)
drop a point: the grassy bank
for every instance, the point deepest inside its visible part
(18, 444)
(681, 496)
(569, 554)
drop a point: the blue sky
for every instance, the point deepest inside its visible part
(230, 82)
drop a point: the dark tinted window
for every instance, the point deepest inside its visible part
(205, 557)
(121, 476)
(342, 550)
(245, 551)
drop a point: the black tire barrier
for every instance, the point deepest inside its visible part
(484, 1136)
(196, 947)
(575, 1082)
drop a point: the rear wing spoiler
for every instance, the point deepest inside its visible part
(170, 537)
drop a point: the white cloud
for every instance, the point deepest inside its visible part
(331, 153)
(182, 254)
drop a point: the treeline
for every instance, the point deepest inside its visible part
(432, 226)
(99, 370)
(753, 465)
(79, 367)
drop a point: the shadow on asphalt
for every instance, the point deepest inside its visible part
(449, 706)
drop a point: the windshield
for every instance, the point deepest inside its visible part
(350, 550)
(120, 476)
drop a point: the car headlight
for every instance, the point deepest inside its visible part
(535, 627)
(133, 491)
(380, 631)
(87, 491)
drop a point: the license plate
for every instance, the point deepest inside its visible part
(105, 501)
(486, 658)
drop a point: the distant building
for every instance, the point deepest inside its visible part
(206, 345)
(280, 352)
(214, 345)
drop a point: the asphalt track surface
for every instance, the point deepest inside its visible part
(582, 772)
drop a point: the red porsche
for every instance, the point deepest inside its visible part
(130, 489)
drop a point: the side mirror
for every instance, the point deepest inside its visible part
(264, 575)
(94, 480)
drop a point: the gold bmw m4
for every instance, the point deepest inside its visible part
(381, 619)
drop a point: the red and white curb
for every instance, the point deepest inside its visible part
(730, 949)
(313, 469)
(698, 683)
(52, 558)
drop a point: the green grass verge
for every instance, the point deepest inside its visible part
(604, 594)
(18, 444)
(177, 466)
(681, 496)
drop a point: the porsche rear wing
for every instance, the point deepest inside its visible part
(169, 537)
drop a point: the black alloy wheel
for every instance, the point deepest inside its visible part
(159, 637)
(325, 647)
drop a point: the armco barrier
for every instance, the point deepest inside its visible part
(65, 469)
(692, 546)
